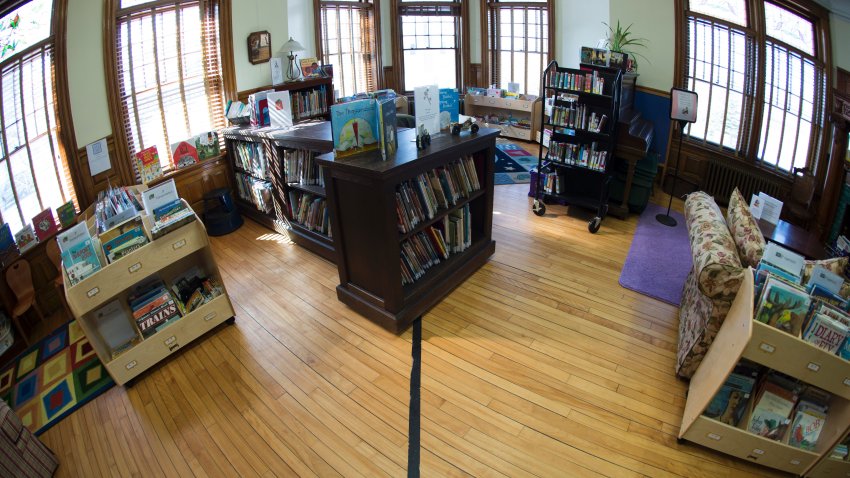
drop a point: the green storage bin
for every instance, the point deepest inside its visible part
(644, 177)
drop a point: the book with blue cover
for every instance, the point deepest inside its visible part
(354, 127)
(8, 248)
(449, 107)
(78, 253)
(730, 402)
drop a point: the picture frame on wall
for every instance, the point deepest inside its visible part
(259, 47)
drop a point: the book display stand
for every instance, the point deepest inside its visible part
(279, 184)
(742, 337)
(583, 121)
(167, 258)
(393, 270)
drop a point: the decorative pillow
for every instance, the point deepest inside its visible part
(745, 230)
(716, 263)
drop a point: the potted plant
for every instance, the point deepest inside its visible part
(622, 40)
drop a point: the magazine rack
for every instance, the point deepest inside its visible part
(742, 337)
(166, 257)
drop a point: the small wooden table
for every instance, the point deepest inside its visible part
(795, 238)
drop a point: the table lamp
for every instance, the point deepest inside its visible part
(292, 46)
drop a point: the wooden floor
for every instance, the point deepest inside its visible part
(539, 365)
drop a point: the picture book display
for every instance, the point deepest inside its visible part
(8, 248)
(730, 402)
(184, 153)
(206, 145)
(364, 125)
(113, 325)
(44, 224)
(123, 239)
(153, 309)
(773, 406)
(310, 68)
(26, 238)
(809, 419)
(78, 254)
(114, 206)
(449, 107)
(147, 164)
(783, 306)
(280, 109)
(427, 112)
(67, 214)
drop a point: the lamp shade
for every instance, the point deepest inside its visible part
(291, 45)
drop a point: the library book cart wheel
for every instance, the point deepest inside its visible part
(594, 224)
(538, 207)
(231, 321)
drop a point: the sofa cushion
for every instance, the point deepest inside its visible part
(715, 257)
(699, 320)
(745, 230)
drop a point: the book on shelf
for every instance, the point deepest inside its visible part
(67, 214)
(730, 402)
(356, 127)
(589, 82)
(255, 191)
(809, 419)
(783, 305)
(819, 292)
(153, 309)
(238, 112)
(184, 153)
(26, 238)
(116, 205)
(77, 250)
(427, 111)
(825, 279)
(764, 266)
(171, 216)
(826, 333)
(310, 211)
(310, 102)
(387, 127)
(44, 224)
(300, 167)
(113, 325)
(123, 239)
(258, 105)
(206, 145)
(193, 288)
(775, 400)
(251, 158)
(280, 109)
(784, 259)
(8, 248)
(147, 164)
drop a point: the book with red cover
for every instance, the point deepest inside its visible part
(44, 224)
(147, 164)
(184, 154)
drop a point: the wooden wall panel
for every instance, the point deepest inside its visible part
(477, 76)
(390, 79)
(195, 181)
(119, 175)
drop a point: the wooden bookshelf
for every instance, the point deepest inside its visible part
(299, 86)
(503, 114)
(742, 337)
(361, 192)
(315, 137)
(166, 258)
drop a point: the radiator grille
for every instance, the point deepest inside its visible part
(721, 178)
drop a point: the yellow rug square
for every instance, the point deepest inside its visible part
(75, 332)
(56, 368)
(27, 363)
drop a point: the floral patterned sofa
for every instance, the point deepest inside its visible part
(721, 249)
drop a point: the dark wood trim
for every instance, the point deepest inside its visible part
(303, 83)
(121, 157)
(377, 62)
(397, 55)
(477, 75)
(465, 45)
(225, 35)
(389, 78)
(839, 120)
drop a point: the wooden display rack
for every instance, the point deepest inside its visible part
(361, 195)
(167, 257)
(483, 106)
(742, 337)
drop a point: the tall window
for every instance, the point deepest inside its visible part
(168, 72)
(34, 175)
(761, 78)
(431, 51)
(348, 40)
(518, 42)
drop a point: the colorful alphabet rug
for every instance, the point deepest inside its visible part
(52, 378)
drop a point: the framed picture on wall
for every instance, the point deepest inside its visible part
(259, 47)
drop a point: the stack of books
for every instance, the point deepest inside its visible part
(250, 157)
(114, 206)
(171, 216)
(310, 211)
(123, 239)
(193, 289)
(255, 191)
(300, 167)
(153, 309)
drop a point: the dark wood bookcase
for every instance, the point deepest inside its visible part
(361, 195)
(296, 88)
(314, 137)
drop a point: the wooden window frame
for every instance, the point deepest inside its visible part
(488, 53)
(377, 70)
(463, 72)
(66, 145)
(112, 12)
(749, 145)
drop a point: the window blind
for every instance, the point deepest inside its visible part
(169, 74)
(33, 174)
(518, 38)
(348, 43)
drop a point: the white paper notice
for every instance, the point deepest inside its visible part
(426, 101)
(98, 155)
(276, 65)
(756, 206)
(771, 208)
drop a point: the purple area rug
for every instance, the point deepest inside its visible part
(660, 257)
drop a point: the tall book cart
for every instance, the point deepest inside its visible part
(739, 337)
(167, 258)
(280, 185)
(575, 167)
(374, 245)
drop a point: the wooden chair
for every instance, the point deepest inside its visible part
(52, 249)
(19, 278)
(799, 204)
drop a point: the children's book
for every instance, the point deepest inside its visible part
(826, 279)
(774, 404)
(783, 306)
(449, 109)
(78, 254)
(123, 239)
(26, 238)
(826, 333)
(8, 248)
(113, 325)
(67, 214)
(44, 224)
(819, 292)
(206, 144)
(730, 402)
(388, 129)
(355, 127)
(809, 418)
(147, 163)
(427, 112)
(280, 109)
(184, 153)
(784, 259)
